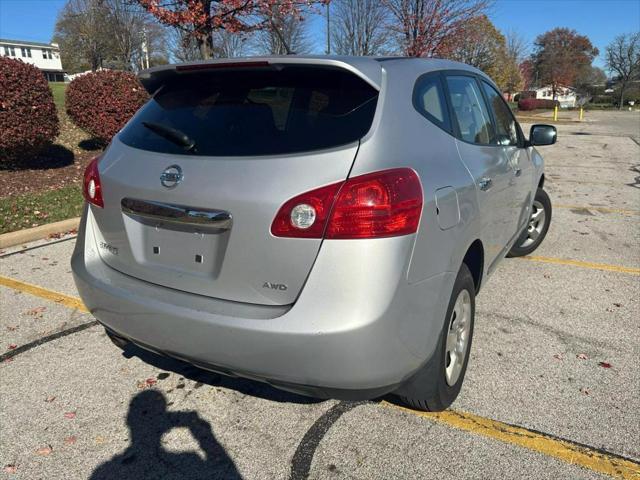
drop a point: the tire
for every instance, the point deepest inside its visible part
(438, 383)
(527, 243)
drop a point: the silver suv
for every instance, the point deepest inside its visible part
(322, 224)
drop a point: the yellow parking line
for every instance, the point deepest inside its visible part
(584, 456)
(61, 298)
(578, 263)
(599, 209)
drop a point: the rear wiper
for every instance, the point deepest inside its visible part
(172, 134)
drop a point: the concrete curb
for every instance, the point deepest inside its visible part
(37, 233)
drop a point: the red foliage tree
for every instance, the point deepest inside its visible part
(424, 26)
(102, 102)
(560, 56)
(200, 18)
(527, 69)
(28, 118)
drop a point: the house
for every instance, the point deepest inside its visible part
(45, 56)
(567, 96)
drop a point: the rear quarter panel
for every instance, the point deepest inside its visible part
(405, 138)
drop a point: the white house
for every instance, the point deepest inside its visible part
(45, 56)
(567, 96)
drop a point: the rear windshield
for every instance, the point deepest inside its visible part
(258, 112)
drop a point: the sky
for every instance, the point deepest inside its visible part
(600, 20)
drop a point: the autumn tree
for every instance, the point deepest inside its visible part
(560, 55)
(480, 44)
(623, 60)
(183, 47)
(83, 35)
(229, 44)
(423, 26)
(108, 33)
(527, 70)
(201, 18)
(359, 27)
(284, 32)
(516, 53)
(590, 80)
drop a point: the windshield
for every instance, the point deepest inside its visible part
(275, 111)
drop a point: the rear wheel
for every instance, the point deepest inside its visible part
(537, 227)
(438, 384)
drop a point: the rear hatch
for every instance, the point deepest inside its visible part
(192, 184)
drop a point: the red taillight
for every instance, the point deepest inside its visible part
(320, 200)
(380, 204)
(91, 188)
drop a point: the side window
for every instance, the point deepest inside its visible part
(471, 112)
(507, 130)
(429, 100)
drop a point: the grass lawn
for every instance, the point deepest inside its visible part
(58, 89)
(31, 210)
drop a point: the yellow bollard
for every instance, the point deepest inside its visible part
(581, 113)
(555, 113)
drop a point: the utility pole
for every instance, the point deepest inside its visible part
(328, 31)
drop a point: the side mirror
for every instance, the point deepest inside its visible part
(541, 135)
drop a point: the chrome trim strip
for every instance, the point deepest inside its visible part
(180, 214)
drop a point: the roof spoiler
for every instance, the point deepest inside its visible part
(367, 69)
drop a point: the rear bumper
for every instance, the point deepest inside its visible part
(357, 330)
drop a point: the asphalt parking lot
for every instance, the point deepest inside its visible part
(552, 390)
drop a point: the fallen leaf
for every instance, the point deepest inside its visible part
(100, 440)
(7, 360)
(70, 440)
(151, 381)
(604, 364)
(584, 390)
(36, 312)
(558, 356)
(45, 450)
(50, 399)
(12, 346)
(617, 305)
(582, 356)
(12, 328)
(70, 415)
(11, 468)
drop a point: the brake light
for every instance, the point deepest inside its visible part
(376, 205)
(92, 188)
(220, 66)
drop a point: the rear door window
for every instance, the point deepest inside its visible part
(235, 113)
(472, 115)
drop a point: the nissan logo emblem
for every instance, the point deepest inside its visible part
(171, 176)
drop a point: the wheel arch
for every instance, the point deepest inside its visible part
(541, 181)
(474, 260)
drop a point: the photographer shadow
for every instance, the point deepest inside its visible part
(145, 458)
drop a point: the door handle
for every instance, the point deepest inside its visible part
(485, 183)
